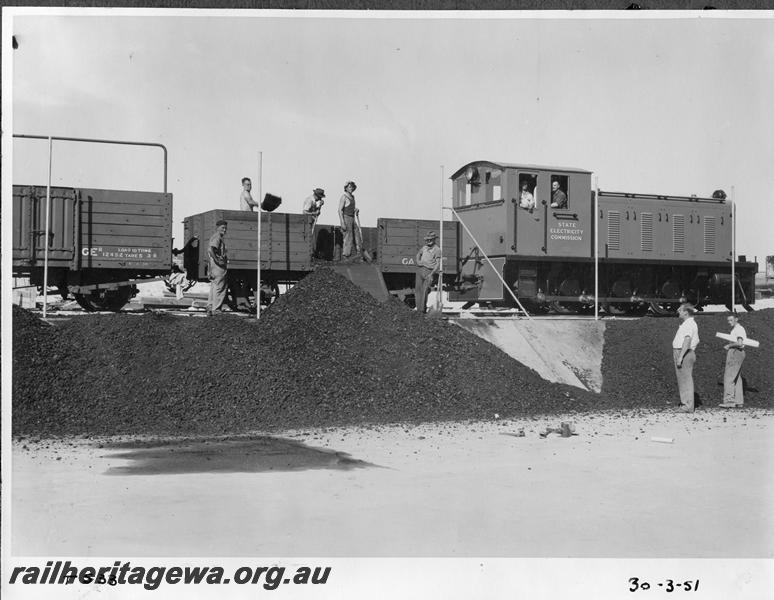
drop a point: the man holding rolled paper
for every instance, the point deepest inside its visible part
(733, 388)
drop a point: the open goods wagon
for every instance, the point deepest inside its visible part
(287, 243)
(292, 245)
(100, 242)
(537, 225)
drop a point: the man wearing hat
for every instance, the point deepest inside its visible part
(350, 228)
(216, 250)
(313, 203)
(428, 261)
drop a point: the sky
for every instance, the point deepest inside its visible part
(658, 103)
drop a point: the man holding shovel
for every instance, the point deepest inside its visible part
(350, 222)
(428, 261)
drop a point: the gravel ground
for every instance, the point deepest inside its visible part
(326, 354)
(638, 369)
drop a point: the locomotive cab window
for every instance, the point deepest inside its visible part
(527, 191)
(478, 185)
(560, 192)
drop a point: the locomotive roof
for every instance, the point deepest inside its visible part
(504, 165)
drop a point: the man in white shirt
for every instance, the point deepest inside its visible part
(428, 261)
(684, 352)
(733, 387)
(246, 201)
(526, 200)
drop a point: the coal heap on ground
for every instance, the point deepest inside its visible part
(638, 368)
(326, 353)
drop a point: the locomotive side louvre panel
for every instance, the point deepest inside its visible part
(709, 235)
(646, 232)
(613, 230)
(678, 233)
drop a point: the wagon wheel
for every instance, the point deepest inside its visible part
(664, 309)
(112, 300)
(269, 293)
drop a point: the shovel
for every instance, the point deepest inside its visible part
(366, 256)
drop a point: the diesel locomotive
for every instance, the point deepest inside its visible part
(649, 252)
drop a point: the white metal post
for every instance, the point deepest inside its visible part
(48, 226)
(258, 250)
(439, 298)
(596, 248)
(733, 249)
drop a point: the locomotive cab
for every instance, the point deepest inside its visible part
(518, 215)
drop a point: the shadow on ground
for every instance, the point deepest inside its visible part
(243, 454)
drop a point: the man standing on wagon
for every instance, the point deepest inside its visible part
(428, 262)
(218, 272)
(246, 201)
(350, 227)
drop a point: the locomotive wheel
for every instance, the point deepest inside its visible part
(564, 308)
(535, 308)
(665, 309)
(616, 308)
(638, 310)
(112, 300)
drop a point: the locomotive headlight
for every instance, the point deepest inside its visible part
(471, 174)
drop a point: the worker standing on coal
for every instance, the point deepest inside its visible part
(218, 273)
(684, 353)
(428, 261)
(733, 386)
(348, 213)
(313, 204)
(246, 201)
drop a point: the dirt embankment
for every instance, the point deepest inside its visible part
(326, 353)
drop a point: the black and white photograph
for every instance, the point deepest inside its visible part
(387, 304)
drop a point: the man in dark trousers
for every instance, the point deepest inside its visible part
(350, 226)
(428, 261)
(216, 250)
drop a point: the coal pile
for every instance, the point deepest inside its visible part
(326, 353)
(638, 369)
